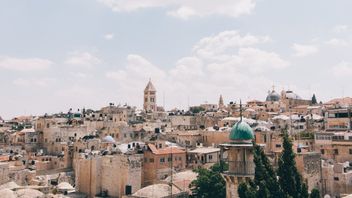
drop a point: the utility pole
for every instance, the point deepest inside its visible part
(349, 116)
(171, 175)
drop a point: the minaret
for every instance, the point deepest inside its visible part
(149, 104)
(239, 157)
(221, 102)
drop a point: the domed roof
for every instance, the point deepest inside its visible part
(273, 96)
(292, 95)
(241, 131)
(109, 139)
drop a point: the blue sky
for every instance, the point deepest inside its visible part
(86, 53)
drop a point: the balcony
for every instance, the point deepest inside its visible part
(240, 168)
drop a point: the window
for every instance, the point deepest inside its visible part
(169, 159)
(145, 160)
(278, 145)
(322, 151)
(336, 151)
(336, 178)
(151, 160)
(350, 151)
(162, 160)
(210, 157)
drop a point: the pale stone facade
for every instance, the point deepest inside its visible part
(109, 175)
(149, 103)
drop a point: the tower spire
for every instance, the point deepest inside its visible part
(221, 102)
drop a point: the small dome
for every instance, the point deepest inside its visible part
(109, 139)
(241, 131)
(273, 96)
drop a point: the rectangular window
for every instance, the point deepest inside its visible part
(151, 160)
(350, 151)
(278, 145)
(322, 151)
(169, 159)
(336, 151)
(162, 160)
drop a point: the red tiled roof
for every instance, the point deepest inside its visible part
(167, 150)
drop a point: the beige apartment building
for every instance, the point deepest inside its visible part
(160, 161)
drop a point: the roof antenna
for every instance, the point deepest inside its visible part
(240, 110)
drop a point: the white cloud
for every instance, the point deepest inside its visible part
(84, 59)
(185, 9)
(304, 50)
(235, 60)
(337, 42)
(25, 64)
(109, 36)
(343, 69)
(79, 74)
(340, 28)
(33, 82)
(224, 41)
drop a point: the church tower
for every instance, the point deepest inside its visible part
(149, 104)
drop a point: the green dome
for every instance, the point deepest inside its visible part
(241, 131)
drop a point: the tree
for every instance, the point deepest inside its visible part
(265, 184)
(315, 193)
(246, 190)
(314, 99)
(289, 178)
(209, 183)
(220, 167)
(270, 177)
(196, 109)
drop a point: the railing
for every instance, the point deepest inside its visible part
(240, 168)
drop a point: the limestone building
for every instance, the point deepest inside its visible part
(110, 175)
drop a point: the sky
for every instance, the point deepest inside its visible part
(61, 54)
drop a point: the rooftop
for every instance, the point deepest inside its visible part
(205, 150)
(167, 150)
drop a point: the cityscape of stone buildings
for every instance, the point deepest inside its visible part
(122, 151)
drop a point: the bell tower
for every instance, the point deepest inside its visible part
(149, 104)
